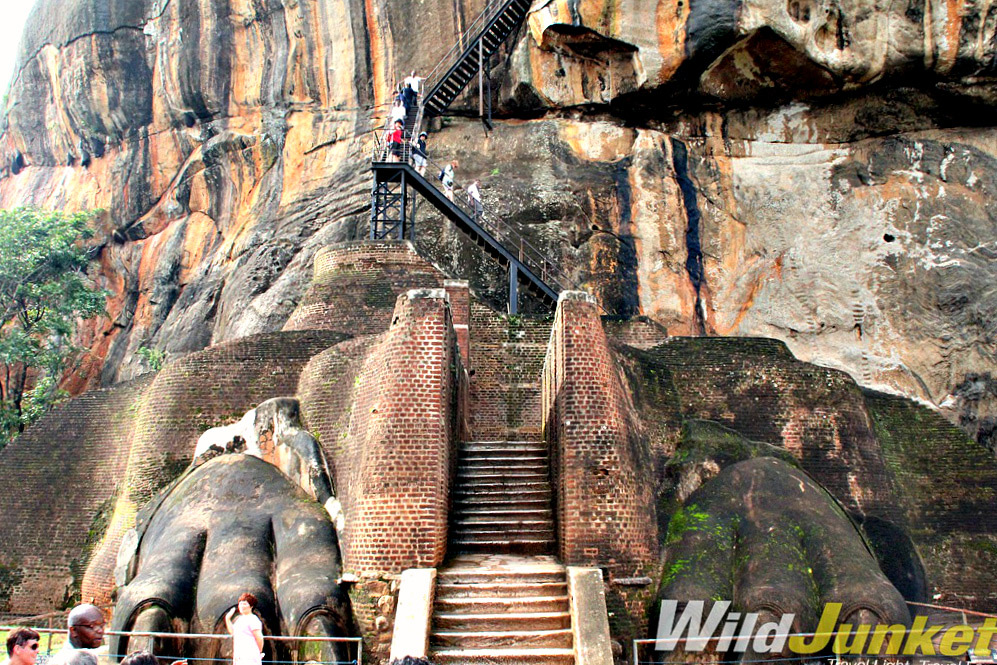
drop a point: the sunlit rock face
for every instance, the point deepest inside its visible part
(818, 172)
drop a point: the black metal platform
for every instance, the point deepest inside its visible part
(394, 178)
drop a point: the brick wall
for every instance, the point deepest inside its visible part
(355, 286)
(600, 469)
(640, 332)
(459, 295)
(388, 413)
(194, 393)
(507, 359)
(946, 485)
(60, 480)
(757, 387)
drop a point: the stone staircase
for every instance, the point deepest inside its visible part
(502, 499)
(503, 598)
(502, 608)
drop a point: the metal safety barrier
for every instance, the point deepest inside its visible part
(304, 642)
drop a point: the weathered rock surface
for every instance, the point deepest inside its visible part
(819, 172)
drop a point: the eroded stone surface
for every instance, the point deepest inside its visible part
(828, 155)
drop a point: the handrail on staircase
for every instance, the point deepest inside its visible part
(513, 242)
(451, 57)
(526, 252)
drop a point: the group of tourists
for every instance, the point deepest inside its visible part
(405, 100)
(86, 634)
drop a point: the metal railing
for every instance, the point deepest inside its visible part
(383, 151)
(104, 656)
(451, 57)
(526, 252)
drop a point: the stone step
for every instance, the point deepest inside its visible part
(477, 530)
(520, 574)
(504, 501)
(481, 487)
(519, 545)
(503, 621)
(558, 638)
(493, 513)
(492, 431)
(505, 477)
(502, 471)
(509, 536)
(503, 445)
(508, 539)
(478, 522)
(495, 458)
(547, 656)
(529, 448)
(486, 494)
(516, 589)
(495, 604)
(491, 531)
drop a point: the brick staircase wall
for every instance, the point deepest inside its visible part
(388, 413)
(507, 355)
(946, 483)
(355, 286)
(601, 472)
(52, 507)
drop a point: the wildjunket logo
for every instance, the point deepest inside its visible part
(738, 633)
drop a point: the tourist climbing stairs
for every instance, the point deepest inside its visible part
(394, 174)
(508, 609)
(481, 40)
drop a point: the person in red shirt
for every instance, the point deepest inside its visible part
(396, 142)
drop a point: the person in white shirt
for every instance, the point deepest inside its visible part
(474, 196)
(447, 178)
(246, 632)
(413, 80)
(397, 113)
(86, 633)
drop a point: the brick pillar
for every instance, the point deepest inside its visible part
(601, 470)
(460, 309)
(394, 474)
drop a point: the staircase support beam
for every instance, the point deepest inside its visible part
(387, 172)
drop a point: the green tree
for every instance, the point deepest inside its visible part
(44, 291)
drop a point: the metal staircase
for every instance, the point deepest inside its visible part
(481, 40)
(394, 174)
(526, 265)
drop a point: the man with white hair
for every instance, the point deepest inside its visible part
(86, 633)
(413, 81)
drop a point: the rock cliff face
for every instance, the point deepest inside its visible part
(822, 172)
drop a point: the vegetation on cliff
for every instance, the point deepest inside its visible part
(44, 291)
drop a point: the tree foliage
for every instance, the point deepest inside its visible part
(44, 291)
